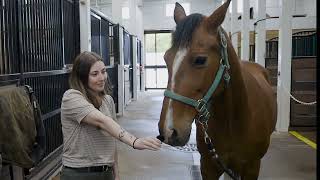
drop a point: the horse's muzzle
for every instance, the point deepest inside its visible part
(174, 139)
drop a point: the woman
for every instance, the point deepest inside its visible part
(88, 124)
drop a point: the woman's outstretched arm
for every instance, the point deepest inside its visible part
(96, 118)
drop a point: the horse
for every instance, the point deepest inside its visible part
(230, 100)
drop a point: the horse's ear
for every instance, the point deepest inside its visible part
(217, 17)
(179, 13)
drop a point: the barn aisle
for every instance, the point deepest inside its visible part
(141, 118)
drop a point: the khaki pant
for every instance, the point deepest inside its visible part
(73, 174)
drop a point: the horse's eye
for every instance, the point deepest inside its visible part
(200, 61)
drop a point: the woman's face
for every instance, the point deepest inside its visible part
(97, 76)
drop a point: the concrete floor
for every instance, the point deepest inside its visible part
(287, 158)
(311, 135)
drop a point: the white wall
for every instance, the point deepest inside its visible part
(154, 17)
(140, 29)
(107, 10)
(154, 12)
(310, 7)
(151, 15)
(104, 6)
(307, 7)
(300, 7)
(272, 7)
(125, 22)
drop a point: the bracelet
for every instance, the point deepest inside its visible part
(134, 142)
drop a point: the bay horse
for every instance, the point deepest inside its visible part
(231, 101)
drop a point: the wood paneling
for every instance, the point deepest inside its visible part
(303, 88)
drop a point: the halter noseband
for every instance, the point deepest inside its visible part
(202, 105)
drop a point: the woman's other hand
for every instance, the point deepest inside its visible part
(150, 143)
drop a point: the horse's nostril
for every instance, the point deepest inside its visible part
(161, 138)
(174, 133)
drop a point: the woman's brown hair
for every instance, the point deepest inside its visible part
(79, 77)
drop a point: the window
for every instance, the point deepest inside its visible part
(125, 13)
(156, 44)
(239, 6)
(170, 9)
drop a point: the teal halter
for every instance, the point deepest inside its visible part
(202, 105)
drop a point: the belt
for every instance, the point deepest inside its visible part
(91, 169)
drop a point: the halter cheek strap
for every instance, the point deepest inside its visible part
(202, 105)
(224, 55)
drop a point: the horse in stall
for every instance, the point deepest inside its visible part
(230, 100)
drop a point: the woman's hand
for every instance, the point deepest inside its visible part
(150, 143)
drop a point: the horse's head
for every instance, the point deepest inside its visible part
(193, 63)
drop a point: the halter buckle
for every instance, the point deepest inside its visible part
(223, 39)
(203, 117)
(207, 139)
(201, 104)
(206, 115)
(226, 77)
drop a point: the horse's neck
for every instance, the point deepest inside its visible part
(239, 93)
(234, 109)
(237, 87)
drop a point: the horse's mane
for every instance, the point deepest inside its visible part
(183, 34)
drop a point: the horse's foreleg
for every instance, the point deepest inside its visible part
(209, 169)
(251, 170)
